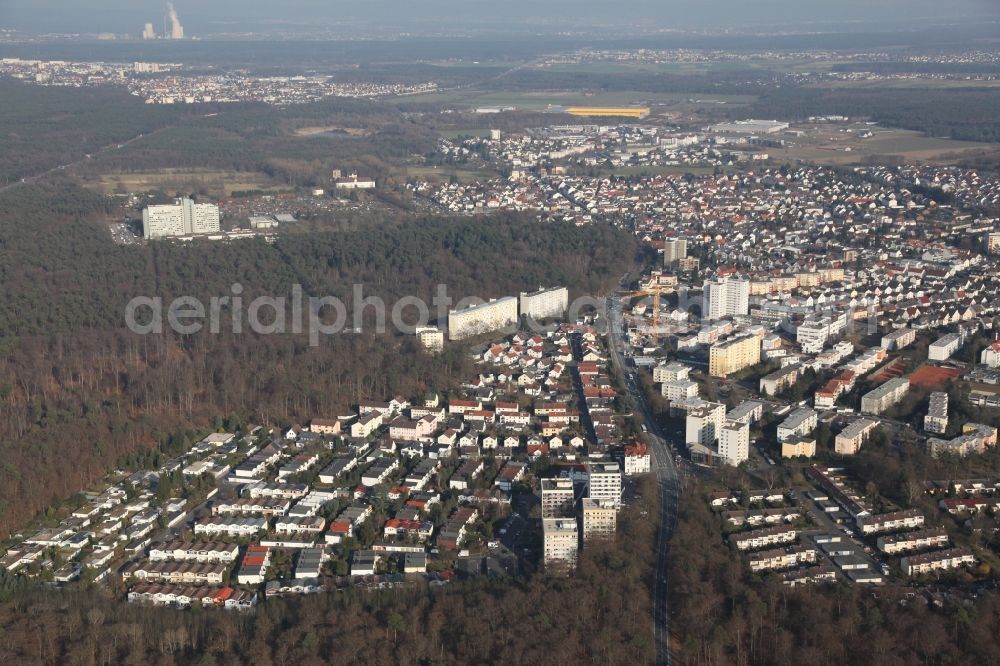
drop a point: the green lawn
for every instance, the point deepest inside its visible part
(445, 173)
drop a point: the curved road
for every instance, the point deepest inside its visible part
(666, 473)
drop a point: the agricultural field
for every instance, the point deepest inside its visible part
(833, 146)
(541, 100)
(220, 183)
(902, 82)
(331, 130)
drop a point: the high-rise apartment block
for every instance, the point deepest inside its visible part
(734, 442)
(733, 355)
(674, 249)
(482, 318)
(993, 242)
(545, 303)
(184, 218)
(557, 498)
(604, 482)
(704, 424)
(727, 297)
(600, 517)
(560, 543)
(936, 419)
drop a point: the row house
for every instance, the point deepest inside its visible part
(252, 507)
(940, 560)
(462, 477)
(757, 539)
(453, 531)
(233, 527)
(893, 521)
(771, 560)
(300, 526)
(379, 471)
(194, 551)
(177, 572)
(975, 505)
(184, 596)
(920, 540)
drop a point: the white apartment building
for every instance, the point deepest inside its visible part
(993, 242)
(727, 297)
(749, 412)
(482, 318)
(942, 348)
(604, 482)
(545, 303)
(975, 438)
(991, 356)
(811, 335)
(366, 425)
(681, 389)
(674, 249)
(557, 498)
(560, 542)
(800, 422)
(936, 419)
(850, 439)
(354, 182)
(430, 338)
(885, 396)
(600, 518)
(734, 442)
(671, 372)
(704, 424)
(183, 218)
(899, 339)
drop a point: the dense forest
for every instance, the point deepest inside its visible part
(45, 127)
(78, 390)
(599, 615)
(260, 138)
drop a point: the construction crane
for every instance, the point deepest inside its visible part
(654, 287)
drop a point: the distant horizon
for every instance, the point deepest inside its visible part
(127, 17)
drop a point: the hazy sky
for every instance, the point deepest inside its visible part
(205, 16)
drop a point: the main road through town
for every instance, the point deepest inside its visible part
(662, 459)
